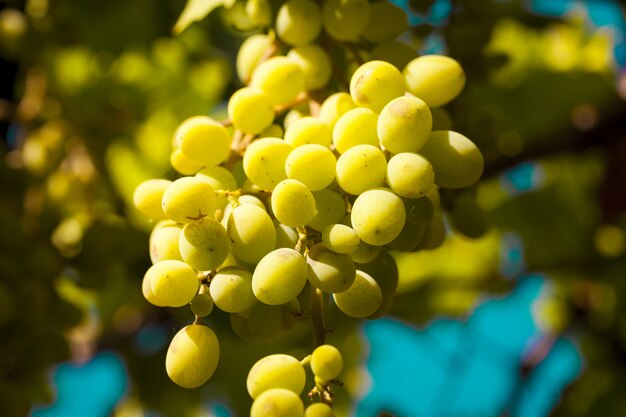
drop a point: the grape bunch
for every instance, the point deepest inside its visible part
(293, 203)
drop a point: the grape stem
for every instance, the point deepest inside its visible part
(317, 317)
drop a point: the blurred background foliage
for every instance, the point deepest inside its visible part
(91, 93)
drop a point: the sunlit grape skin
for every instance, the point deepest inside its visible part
(404, 124)
(293, 203)
(250, 110)
(298, 22)
(172, 283)
(203, 140)
(277, 402)
(276, 371)
(192, 356)
(363, 298)
(326, 362)
(436, 79)
(147, 198)
(279, 276)
(188, 199)
(378, 216)
(375, 83)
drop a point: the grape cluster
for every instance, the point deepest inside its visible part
(298, 193)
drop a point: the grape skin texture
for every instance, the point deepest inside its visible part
(276, 371)
(376, 83)
(315, 64)
(404, 124)
(340, 238)
(277, 402)
(202, 305)
(313, 165)
(250, 110)
(251, 232)
(319, 410)
(292, 203)
(298, 22)
(147, 198)
(345, 20)
(192, 356)
(308, 130)
(279, 276)
(355, 127)
(249, 55)
(280, 78)
(203, 140)
(173, 283)
(330, 208)
(329, 271)
(410, 175)
(436, 79)
(231, 289)
(182, 164)
(334, 107)
(203, 244)
(326, 362)
(264, 162)
(378, 216)
(360, 168)
(188, 199)
(362, 298)
(164, 241)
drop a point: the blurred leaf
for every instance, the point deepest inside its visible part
(197, 10)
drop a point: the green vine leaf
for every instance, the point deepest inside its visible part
(197, 10)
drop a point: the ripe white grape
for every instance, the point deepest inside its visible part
(298, 22)
(355, 127)
(436, 79)
(280, 78)
(340, 238)
(249, 54)
(231, 289)
(172, 283)
(192, 356)
(362, 298)
(376, 83)
(188, 199)
(308, 130)
(277, 402)
(330, 208)
(202, 304)
(279, 276)
(410, 175)
(182, 164)
(271, 322)
(164, 241)
(276, 371)
(334, 107)
(404, 124)
(397, 53)
(203, 244)
(313, 165)
(264, 162)
(319, 410)
(345, 20)
(147, 198)
(329, 271)
(203, 140)
(250, 110)
(293, 203)
(378, 216)
(315, 64)
(251, 232)
(361, 168)
(326, 362)
(286, 237)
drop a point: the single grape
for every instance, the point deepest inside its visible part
(203, 140)
(436, 79)
(203, 244)
(361, 168)
(293, 203)
(410, 175)
(384, 270)
(192, 356)
(250, 110)
(271, 322)
(410, 236)
(330, 208)
(365, 253)
(148, 294)
(188, 199)
(182, 164)
(276, 371)
(308, 130)
(363, 298)
(298, 22)
(251, 232)
(277, 402)
(319, 410)
(249, 54)
(329, 271)
(202, 304)
(326, 362)
(404, 124)
(279, 276)
(315, 64)
(164, 241)
(272, 131)
(313, 165)
(231, 289)
(219, 178)
(264, 162)
(259, 12)
(280, 78)
(376, 83)
(147, 198)
(340, 238)
(286, 237)
(334, 107)
(387, 21)
(378, 216)
(397, 53)
(355, 127)
(345, 20)
(173, 283)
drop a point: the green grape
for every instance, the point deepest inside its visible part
(242, 199)
(250, 110)
(435, 233)
(276, 371)
(468, 217)
(271, 322)
(434, 197)
(361, 168)
(182, 164)
(164, 241)
(326, 362)
(249, 55)
(365, 253)
(315, 64)
(345, 20)
(286, 237)
(385, 272)
(231, 289)
(277, 402)
(329, 271)
(202, 304)
(203, 244)
(334, 107)
(410, 175)
(404, 124)
(308, 130)
(298, 22)
(272, 131)
(236, 18)
(239, 325)
(330, 208)
(203, 140)
(441, 119)
(148, 294)
(148, 196)
(173, 283)
(355, 127)
(293, 203)
(378, 216)
(457, 160)
(362, 299)
(319, 410)
(436, 79)
(259, 12)
(251, 232)
(219, 178)
(376, 83)
(280, 78)
(313, 165)
(397, 53)
(188, 199)
(340, 238)
(192, 356)
(408, 239)
(419, 211)
(279, 276)
(387, 21)
(293, 116)
(264, 162)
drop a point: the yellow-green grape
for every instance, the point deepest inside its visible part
(279, 276)
(378, 216)
(376, 83)
(355, 127)
(242, 199)
(272, 131)
(435, 233)
(251, 232)
(250, 110)
(365, 253)
(276, 371)
(340, 238)
(203, 140)
(220, 179)
(334, 107)
(249, 54)
(148, 196)
(315, 64)
(286, 237)
(173, 283)
(192, 356)
(385, 272)
(361, 168)
(362, 299)
(397, 53)
(308, 130)
(457, 160)
(329, 271)
(293, 116)
(280, 78)
(345, 20)
(410, 175)
(271, 322)
(146, 290)
(298, 22)
(231, 289)
(188, 199)
(436, 79)
(387, 21)
(203, 244)
(408, 239)
(419, 211)
(330, 208)
(404, 124)
(319, 410)
(182, 164)
(293, 203)
(326, 362)
(202, 304)
(235, 17)
(313, 165)
(264, 162)
(239, 325)
(441, 119)
(277, 402)
(164, 241)
(434, 197)
(259, 12)
(468, 217)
